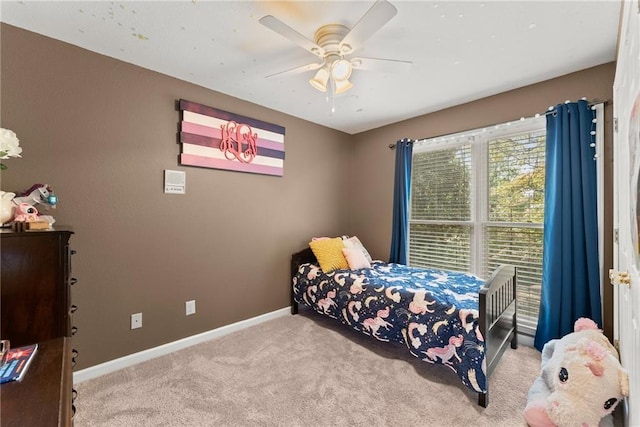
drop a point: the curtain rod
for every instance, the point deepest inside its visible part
(550, 110)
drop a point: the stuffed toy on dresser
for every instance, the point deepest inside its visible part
(581, 381)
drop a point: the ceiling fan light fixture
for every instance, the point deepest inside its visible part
(341, 70)
(332, 43)
(342, 86)
(319, 81)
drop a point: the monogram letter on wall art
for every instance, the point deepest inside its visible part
(217, 139)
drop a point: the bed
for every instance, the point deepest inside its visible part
(449, 318)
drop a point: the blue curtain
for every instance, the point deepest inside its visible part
(401, 194)
(571, 272)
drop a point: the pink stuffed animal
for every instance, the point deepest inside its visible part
(25, 212)
(580, 383)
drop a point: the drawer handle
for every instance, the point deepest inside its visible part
(73, 281)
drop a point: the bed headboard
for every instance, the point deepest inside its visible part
(297, 259)
(304, 256)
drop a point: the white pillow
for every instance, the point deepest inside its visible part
(354, 242)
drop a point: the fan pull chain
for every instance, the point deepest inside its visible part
(331, 97)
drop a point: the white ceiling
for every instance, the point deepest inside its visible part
(461, 50)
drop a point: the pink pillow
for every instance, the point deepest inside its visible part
(356, 258)
(354, 242)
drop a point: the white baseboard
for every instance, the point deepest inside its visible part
(525, 340)
(132, 359)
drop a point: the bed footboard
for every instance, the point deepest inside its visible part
(297, 259)
(498, 319)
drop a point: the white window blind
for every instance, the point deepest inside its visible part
(513, 232)
(478, 201)
(440, 226)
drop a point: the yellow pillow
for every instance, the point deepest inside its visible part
(329, 254)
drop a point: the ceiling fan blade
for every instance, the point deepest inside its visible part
(379, 14)
(296, 70)
(380, 64)
(289, 33)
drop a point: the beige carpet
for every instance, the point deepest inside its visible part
(301, 370)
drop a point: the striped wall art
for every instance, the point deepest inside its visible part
(217, 139)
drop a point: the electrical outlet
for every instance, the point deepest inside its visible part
(190, 307)
(136, 321)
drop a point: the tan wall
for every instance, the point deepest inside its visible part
(101, 132)
(373, 161)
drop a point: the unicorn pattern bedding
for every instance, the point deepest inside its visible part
(433, 312)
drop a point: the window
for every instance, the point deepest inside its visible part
(477, 201)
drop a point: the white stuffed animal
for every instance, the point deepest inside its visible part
(580, 383)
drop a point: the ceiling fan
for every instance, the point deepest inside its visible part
(334, 43)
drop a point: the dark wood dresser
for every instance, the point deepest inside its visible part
(36, 307)
(44, 396)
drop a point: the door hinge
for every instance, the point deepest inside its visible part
(615, 124)
(615, 235)
(616, 344)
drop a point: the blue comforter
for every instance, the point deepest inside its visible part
(433, 312)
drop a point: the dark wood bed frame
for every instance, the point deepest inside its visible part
(497, 312)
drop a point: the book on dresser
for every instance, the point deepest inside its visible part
(16, 363)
